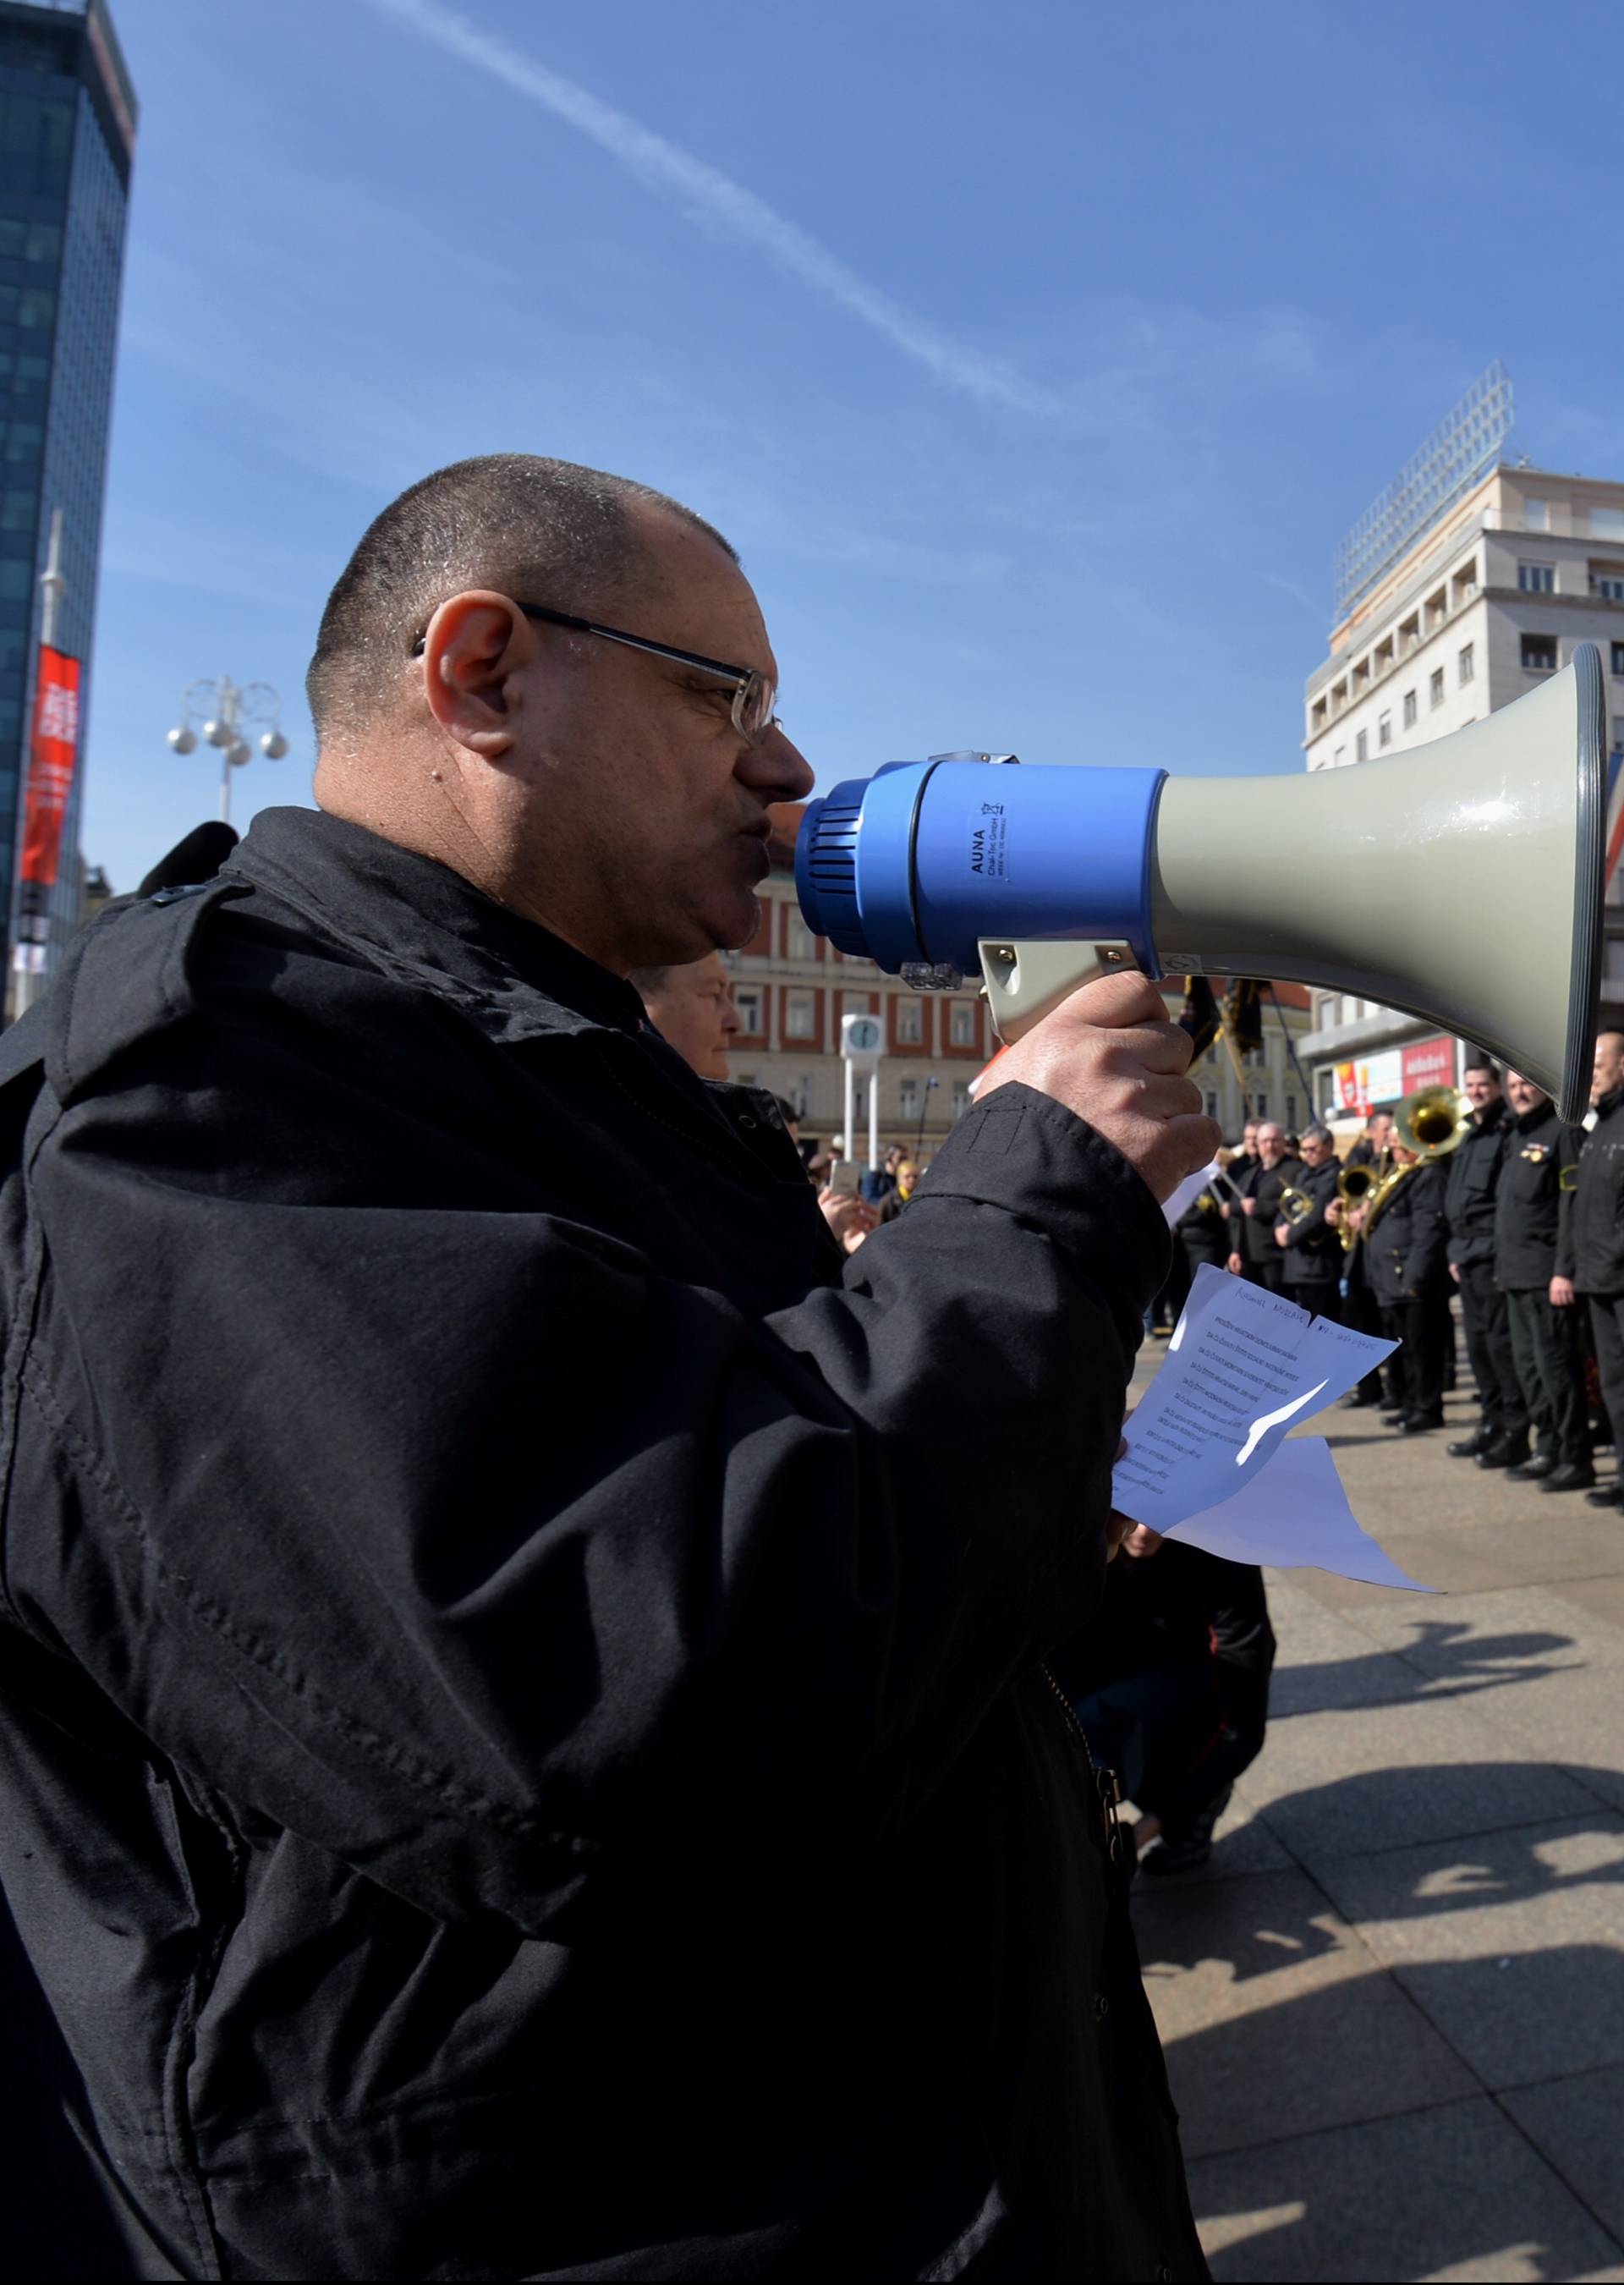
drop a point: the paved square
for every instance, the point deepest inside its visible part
(1393, 2001)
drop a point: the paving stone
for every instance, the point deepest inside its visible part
(1454, 2192)
(1577, 2122)
(1512, 1943)
(1275, 2018)
(1387, 1777)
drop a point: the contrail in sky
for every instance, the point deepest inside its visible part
(717, 199)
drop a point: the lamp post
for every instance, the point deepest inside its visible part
(227, 712)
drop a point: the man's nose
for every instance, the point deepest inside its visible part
(777, 768)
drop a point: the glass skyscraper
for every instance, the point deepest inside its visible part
(68, 123)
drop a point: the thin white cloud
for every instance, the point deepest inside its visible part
(719, 203)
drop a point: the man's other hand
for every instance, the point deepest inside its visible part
(849, 1216)
(1110, 1053)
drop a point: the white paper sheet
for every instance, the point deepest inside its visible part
(1207, 1456)
(1189, 1190)
(1243, 1365)
(1294, 1515)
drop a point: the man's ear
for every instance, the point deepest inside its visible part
(475, 644)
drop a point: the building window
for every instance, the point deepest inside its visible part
(1539, 654)
(1607, 524)
(961, 1097)
(799, 1092)
(1468, 662)
(1338, 758)
(800, 1015)
(1210, 1100)
(1606, 588)
(1536, 515)
(1618, 658)
(1260, 1105)
(910, 1029)
(854, 1003)
(1290, 1114)
(908, 1099)
(1537, 578)
(1384, 729)
(1409, 710)
(747, 999)
(1362, 747)
(18, 511)
(1435, 688)
(962, 1032)
(803, 943)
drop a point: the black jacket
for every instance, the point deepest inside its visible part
(526, 1746)
(1313, 1253)
(1201, 1231)
(1263, 1186)
(1597, 1217)
(1468, 1195)
(1405, 1256)
(1534, 1241)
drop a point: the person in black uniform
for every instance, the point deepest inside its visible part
(1311, 1248)
(1596, 1222)
(1533, 1266)
(1201, 1234)
(1500, 1438)
(1255, 1256)
(1408, 1266)
(1359, 1309)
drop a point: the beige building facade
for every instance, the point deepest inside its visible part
(1483, 606)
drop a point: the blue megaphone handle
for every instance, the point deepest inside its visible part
(919, 862)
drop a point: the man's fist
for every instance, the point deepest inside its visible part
(1110, 1053)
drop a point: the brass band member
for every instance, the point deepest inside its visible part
(1311, 1246)
(1253, 1254)
(1500, 1438)
(1598, 1235)
(1534, 1264)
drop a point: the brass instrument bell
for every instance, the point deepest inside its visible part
(1433, 1121)
(1295, 1205)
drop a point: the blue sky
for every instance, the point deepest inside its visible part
(1035, 357)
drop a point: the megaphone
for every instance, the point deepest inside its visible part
(1460, 882)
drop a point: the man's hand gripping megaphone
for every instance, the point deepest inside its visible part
(1110, 1053)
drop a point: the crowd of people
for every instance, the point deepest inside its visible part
(1510, 1212)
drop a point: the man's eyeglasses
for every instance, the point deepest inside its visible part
(755, 694)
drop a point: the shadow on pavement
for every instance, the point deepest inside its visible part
(1459, 1663)
(1408, 2062)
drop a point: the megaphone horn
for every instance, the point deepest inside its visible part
(1460, 882)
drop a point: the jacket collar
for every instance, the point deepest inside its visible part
(418, 920)
(1525, 1122)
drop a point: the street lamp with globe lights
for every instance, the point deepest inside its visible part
(224, 713)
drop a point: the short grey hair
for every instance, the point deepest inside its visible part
(1318, 1134)
(544, 531)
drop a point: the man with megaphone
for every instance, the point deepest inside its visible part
(527, 1748)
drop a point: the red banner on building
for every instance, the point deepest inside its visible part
(51, 767)
(1429, 1063)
